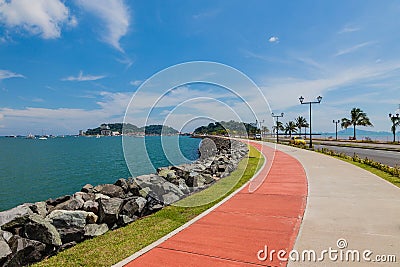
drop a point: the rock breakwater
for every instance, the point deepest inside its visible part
(33, 231)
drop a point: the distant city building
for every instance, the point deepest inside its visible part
(115, 133)
(105, 130)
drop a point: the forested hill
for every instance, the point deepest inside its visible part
(229, 127)
(128, 128)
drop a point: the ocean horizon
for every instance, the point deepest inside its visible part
(35, 170)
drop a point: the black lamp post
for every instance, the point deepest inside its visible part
(394, 119)
(319, 98)
(336, 122)
(277, 125)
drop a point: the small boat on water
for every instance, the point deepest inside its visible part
(98, 136)
(30, 136)
(43, 138)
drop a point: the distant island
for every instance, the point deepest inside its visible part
(227, 128)
(113, 129)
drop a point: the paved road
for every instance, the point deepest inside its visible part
(390, 158)
(378, 145)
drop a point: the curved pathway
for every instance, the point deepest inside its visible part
(347, 203)
(343, 203)
(234, 233)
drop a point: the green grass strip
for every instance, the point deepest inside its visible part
(119, 244)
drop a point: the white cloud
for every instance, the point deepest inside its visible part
(82, 78)
(126, 61)
(353, 48)
(273, 39)
(41, 17)
(64, 120)
(115, 16)
(136, 82)
(348, 29)
(6, 74)
(333, 80)
(207, 14)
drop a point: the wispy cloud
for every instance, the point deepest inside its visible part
(136, 82)
(115, 17)
(35, 99)
(348, 29)
(83, 78)
(207, 14)
(333, 80)
(353, 48)
(44, 17)
(273, 39)
(128, 62)
(6, 74)
(65, 120)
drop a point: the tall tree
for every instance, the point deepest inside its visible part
(290, 127)
(264, 130)
(357, 118)
(395, 122)
(280, 127)
(300, 123)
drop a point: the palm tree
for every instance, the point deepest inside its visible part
(280, 127)
(395, 122)
(264, 130)
(301, 122)
(290, 127)
(358, 118)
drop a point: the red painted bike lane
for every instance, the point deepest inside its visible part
(238, 232)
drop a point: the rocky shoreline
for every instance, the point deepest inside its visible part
(33, 231)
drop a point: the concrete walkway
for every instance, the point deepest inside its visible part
(347, 202)
(234, 233)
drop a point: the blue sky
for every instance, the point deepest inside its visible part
(70, 65)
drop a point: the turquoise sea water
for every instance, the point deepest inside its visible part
(35, 170)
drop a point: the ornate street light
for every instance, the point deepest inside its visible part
(277, 125)
(319, 98)
(394, 119)
(336, 122)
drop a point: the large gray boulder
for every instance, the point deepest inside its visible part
(55, 202)
(20, 212)
(109, 190)
(123, 184)
(5, 250)
(25, 251)
(170, 198)
(141, 203)
(71, 234)
(91, 206)
(37, 228)
(39, 208)
(87, 188)
(134, 188)
(71, 218)
(125, 220)
(109, 210)
(5, 235)
(170, 187)
(71, 204)
(130, 208)
(183, 186)
(92, 230)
